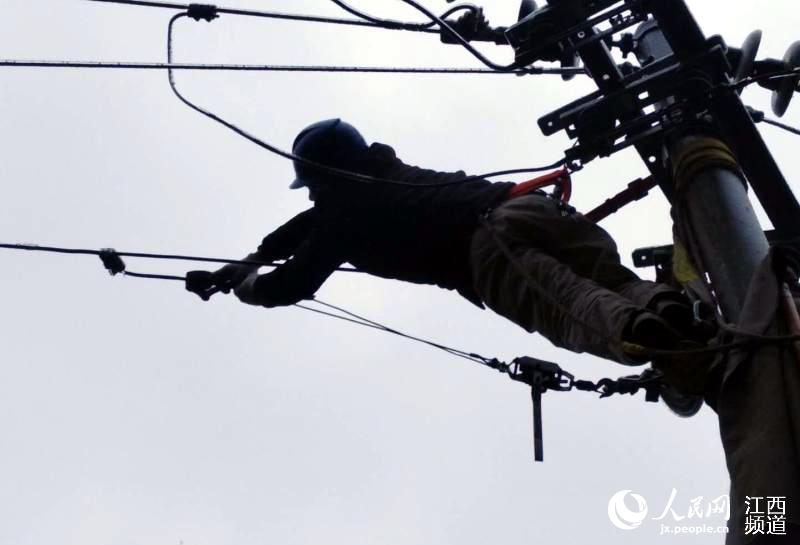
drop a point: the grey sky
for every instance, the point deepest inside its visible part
(132, 412)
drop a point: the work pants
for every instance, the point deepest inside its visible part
(568, 262)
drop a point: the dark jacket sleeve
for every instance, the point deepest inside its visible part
(286, 239)
(314, 261)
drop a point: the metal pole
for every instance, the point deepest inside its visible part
(728, 237)
(755, 393)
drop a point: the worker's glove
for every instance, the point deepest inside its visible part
(245, 290)
(230, 276)
(200, 283)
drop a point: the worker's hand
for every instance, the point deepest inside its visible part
(245, 290)
(200, 283)
(230, 276)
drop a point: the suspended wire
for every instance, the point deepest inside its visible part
(270, 15)
(783, 74)
(12, 63)
(444, 26)
(143, 255)
(154, 276)
(389, 23)
(353, 317)
(353, 176)
(453, 351)
(360, 320)
(780, 125)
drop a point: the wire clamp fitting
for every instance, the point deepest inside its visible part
(205, 12)
(111, 261)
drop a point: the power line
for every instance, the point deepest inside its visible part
(388, 23)
(341, 173)
(209, 12)
(365, 322)
(143, 255)
(272, 15)
(780, 125)
(770, 76)
(353, 317)
(14, 63)
(447, 28)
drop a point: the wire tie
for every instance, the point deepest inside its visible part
(205, 12)
(111, 261)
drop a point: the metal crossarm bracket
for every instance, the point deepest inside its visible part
(596, 120)
(562, 28)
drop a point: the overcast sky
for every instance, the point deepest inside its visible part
(131, 412)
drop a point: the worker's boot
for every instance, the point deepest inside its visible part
(684, 375)
(648, 330)
(676, 309)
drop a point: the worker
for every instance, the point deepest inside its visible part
(525, 255)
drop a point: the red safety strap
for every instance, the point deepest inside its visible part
(560, 178)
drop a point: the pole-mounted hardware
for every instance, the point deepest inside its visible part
(694, 84)
(543, 376)
(111, 261)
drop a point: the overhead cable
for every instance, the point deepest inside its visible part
(268, 15)
(443, 25)
(782, 74)
(389, 23)
(534, 70)
(111, 260)
(780, 125)
(760, 117)
(446, 27)
(349, 175)
(143, 255)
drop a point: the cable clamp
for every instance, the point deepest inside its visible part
(111, 261)
(541, 376)
(649, 381)
(205, 12)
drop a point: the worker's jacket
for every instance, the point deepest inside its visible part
(414, 233)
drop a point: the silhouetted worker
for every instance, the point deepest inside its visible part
(426, 234)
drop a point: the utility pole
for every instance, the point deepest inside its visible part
(728, 240)
(680, 110)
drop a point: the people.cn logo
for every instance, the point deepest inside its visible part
(621, 516)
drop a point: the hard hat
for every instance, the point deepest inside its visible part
(332, 142)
